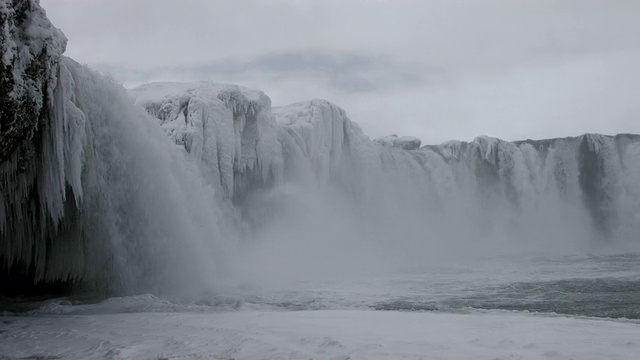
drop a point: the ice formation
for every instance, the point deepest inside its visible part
(35, 163)
(227, 127)
(511, 189)
(404, 142)
(92, 191)
(525, 191)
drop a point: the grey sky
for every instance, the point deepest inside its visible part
(433, 69)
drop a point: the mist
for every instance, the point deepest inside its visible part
(346, 207)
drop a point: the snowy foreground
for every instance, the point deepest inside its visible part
(327, 334)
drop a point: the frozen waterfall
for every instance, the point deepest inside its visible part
(321, 180)
(93, 193)
(99, 193)
(510, 189)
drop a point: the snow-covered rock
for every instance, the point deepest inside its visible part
(316, 138)
(404, 142)
(408, 143)
(498, 186)
(38, 163)
(92, 192)
(229, 128)
(30, 49)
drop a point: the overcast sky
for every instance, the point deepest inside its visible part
(438, 70)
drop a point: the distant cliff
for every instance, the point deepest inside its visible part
(541, 185)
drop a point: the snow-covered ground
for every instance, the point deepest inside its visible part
(327, 334)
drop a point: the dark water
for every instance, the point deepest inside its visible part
(596, 286)
(605, 286)
(606, 297)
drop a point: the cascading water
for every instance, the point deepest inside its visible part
(94, 193)
(103, 199)
(327, 189)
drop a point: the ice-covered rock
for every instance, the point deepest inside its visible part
(228, 127)
(91, 191)
(30, 49)
(591, 171)
(39, 169)
(315, 138)
(408, 143)
(404, 142)
(501, 186)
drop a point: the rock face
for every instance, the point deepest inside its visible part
(30, 49)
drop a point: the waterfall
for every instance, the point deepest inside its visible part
(324, 179)
(167, 188)
(98, 195)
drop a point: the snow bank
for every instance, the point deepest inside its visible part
(317, 335)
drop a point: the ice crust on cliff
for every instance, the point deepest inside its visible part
(27, 34)
(94, 192)
(505, 189)
(227, 127)
(404, 142)
(39, 158)
(116, 193)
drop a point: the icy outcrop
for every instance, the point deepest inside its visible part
(30, 48)
(38, 170)
(92, 192)
(585, 187)
(404, 142)
(502, 189)
(591, 175)
(315, 137)
(227, 127)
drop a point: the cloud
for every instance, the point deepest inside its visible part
(435, 69)
(161, 33)
(347, 72)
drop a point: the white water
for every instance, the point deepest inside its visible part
(147, 221)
